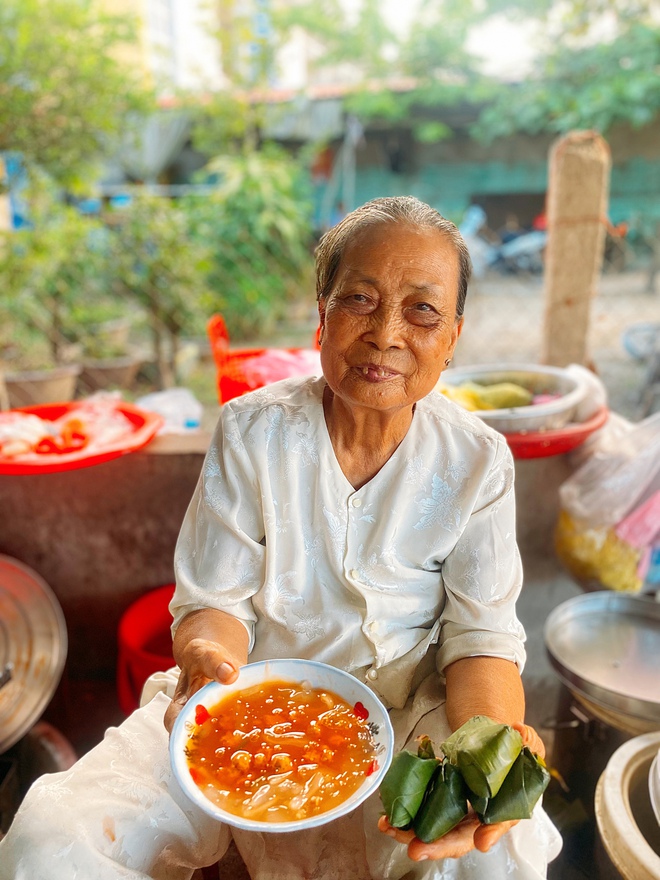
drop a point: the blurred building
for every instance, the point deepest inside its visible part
(177, 46)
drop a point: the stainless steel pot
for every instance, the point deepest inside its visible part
(33, 647)
(605, 647)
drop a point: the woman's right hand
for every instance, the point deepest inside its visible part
(209, 645)
(201, 661)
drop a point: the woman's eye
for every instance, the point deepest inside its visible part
(423, 314)
(357, 300)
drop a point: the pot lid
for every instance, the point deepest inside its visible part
(33, 646)
(605, 647)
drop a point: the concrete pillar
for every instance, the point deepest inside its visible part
(578, 188)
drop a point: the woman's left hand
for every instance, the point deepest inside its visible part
(469, 834)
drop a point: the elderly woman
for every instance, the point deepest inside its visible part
(360, 519)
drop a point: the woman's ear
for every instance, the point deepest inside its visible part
(456, 332)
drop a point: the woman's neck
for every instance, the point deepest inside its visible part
(363, 439)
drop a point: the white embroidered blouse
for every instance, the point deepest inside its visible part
(369, 579)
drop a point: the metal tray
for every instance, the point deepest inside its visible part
(33, 647)
(605, 647)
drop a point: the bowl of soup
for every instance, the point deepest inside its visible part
(291, 744)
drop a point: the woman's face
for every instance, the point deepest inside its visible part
(389, 322)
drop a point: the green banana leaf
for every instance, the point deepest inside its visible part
(425, 748)
(519, 793)
(404, 785)
(444, 806)
(484, 751)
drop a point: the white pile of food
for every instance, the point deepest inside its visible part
(93, 423)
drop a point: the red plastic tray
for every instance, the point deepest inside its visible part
(539, 444)
(145, 425)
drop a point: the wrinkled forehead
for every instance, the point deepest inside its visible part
(384, 233)
(401, 249)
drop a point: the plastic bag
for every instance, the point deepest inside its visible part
(613, 481)
(609, 524)
(279, 363)
(178, 406)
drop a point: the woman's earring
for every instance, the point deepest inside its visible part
(447, 361)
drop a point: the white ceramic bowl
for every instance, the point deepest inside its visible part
(318, 675)
(536, 378)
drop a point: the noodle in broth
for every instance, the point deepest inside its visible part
(280, 751)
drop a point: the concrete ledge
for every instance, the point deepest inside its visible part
(180, 444)
(100, 537)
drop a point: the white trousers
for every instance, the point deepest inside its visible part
(119, 813)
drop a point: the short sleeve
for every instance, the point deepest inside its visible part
(483, 576)
(220, 553)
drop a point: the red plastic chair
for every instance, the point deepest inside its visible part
(144, 643)
(245, 369)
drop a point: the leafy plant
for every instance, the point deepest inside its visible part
(64, 92)
(49, 273)
(257, 226)
(163, 270)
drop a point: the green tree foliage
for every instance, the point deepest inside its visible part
(579, 81)
(63, 93)
(436, 45)
(257, 226)
(574, 17)
(48, 273)
(232, 119)
(364, 41)
(430, 61)
(594, 86)
(163, 270)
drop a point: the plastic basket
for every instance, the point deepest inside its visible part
(246, 369)
(144, 644)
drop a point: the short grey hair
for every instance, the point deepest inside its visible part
(394, 209)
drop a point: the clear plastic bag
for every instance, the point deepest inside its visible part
(609, 523)
(178, 406)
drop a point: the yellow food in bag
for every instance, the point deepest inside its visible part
(473, 396)
(597, 554)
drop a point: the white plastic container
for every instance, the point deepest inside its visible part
(626, 822)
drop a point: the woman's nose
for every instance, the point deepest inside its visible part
(384, 330)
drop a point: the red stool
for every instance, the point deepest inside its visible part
(144, 644)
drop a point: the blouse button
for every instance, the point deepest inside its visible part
(356, 502)
(372, 675)
(354, 573)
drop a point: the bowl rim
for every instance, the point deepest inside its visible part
(179, 736)
(566, 401)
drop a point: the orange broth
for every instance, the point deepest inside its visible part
(280, 752)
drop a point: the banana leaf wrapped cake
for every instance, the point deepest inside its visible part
(484, 765)
(404, 785)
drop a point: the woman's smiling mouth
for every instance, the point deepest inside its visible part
(375, 373)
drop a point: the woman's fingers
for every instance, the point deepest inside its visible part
(486, 836)
(207, 659)
(202, 661)
(396, 833)
(530, 738)
(454, 844)
(178, 701)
